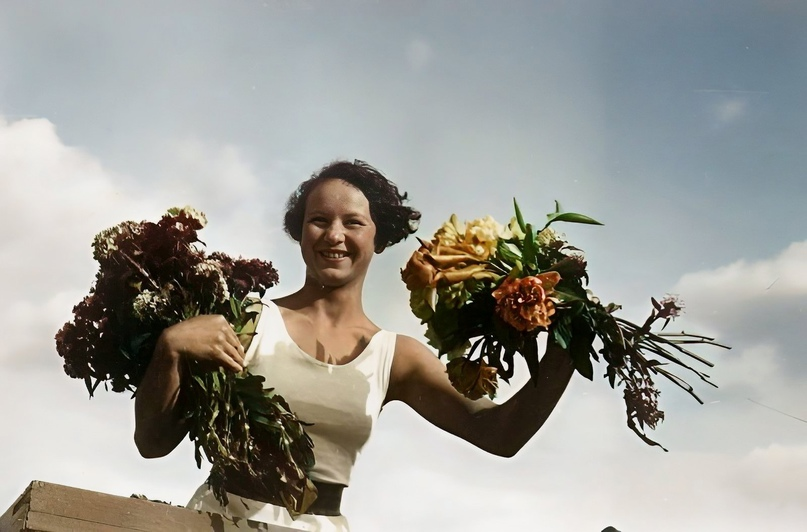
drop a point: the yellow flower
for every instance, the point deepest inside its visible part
(472, 378)
(482, 236)
(477, 239)
(450, 233)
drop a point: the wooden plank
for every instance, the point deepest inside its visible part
(101, 508)
(46, 506)
(39, 522)
(132, 514)
(13, 519)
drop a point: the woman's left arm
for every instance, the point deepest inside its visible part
(419, 379)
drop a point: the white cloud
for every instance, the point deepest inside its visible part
(742, 281)
(753, 303)
(758, 308)
(774, 474)
(243, 209)
(55, 199)
(584, 459)
(203, 173)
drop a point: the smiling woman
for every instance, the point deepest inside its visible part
(338, 237)
(394, 220)
(336, 368)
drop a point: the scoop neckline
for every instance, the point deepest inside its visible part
(302, 352)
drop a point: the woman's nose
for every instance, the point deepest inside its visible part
(335, 234)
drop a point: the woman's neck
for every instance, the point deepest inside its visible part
(334, 304)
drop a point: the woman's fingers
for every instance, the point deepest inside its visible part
(207, 339)
(235, 353)
(228, 358)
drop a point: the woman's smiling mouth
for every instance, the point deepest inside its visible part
(334, 255)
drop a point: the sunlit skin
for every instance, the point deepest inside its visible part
(325, 317)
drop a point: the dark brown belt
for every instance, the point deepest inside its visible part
(328, 501)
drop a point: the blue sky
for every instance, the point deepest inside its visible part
(679, 125)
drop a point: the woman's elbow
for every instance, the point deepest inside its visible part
(507, 451)
(500, 448)
(150, 447)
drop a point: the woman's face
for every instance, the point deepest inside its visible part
(338, 238)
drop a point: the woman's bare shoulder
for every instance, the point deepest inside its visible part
(413, 359)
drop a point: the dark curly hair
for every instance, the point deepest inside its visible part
(393, 220)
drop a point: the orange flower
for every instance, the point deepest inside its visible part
(525, 304)
(472, 378)
(434, 264)
(418, 272)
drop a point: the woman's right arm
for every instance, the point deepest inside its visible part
(158, 411)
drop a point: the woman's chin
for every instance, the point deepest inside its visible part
(328, 280)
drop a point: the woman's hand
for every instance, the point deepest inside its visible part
(208, 339)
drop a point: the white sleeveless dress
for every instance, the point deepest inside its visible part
(342, 402)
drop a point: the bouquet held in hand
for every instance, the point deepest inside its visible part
(487, 290)
(153, 275)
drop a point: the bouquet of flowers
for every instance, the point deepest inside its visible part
(152, 275)
(486, 291)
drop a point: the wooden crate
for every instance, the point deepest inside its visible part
(45, 507)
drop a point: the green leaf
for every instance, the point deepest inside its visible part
(611, 372)
(561, 336)
(519, 217)
(570, 217)
(580, 347)
(567, 296)
(200, 382)
(235, 308)
(582, 363)
(530, 247)
(506, 252)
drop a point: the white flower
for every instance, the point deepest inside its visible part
(210, 269)
(106, 241)
(547, 236)
(194, 214)
(515, 229)
(150, 305)
(191, 213)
